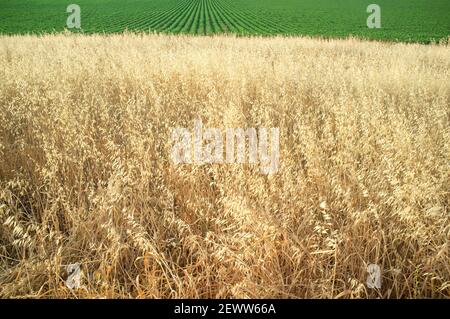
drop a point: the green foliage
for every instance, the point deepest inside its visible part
(402, 20)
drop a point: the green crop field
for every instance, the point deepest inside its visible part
(403, 20)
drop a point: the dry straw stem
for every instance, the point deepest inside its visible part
(86, 176)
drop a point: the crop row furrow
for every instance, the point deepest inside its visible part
(229, 23)
(162, 20)
(186, 28)
(268, 25)
(145, 20)
(246, 26)
(183, 19)
(202, 29)
(214, 18)
(195, 26)
(196, 17)
(220, 24)
(210, 24)
(175, 17)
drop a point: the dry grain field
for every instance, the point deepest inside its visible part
(86, 174)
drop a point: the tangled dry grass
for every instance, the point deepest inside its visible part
(86, 175)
